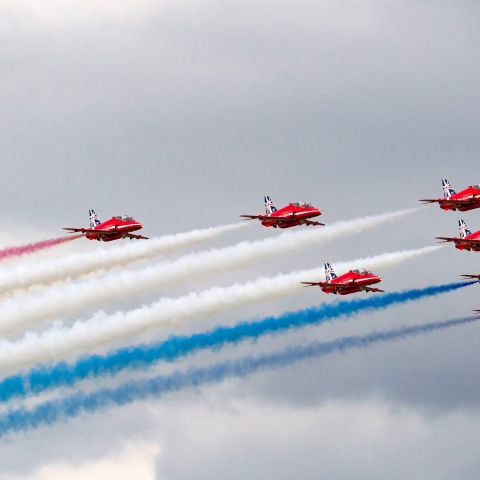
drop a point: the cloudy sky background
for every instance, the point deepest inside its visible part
(184, 114)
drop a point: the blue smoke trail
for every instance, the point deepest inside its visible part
(62, 374)
(51, 411)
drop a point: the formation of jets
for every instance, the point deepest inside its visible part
(301, 213)
(467, 199)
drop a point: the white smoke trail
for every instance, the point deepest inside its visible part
(70, 298)
(58, 342)
(73, 297)
(53, 270)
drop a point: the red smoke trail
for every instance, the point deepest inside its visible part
(34, 247)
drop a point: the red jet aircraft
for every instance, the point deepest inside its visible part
(466, 241)
(478, 278)
(293, 214)
(113, 229)
(351, 282)
(467, 199)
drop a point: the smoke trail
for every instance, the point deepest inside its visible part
(52, 411)
(54, 270)
(11, 252)
(100, 329)
(73, 297)
(43, 378)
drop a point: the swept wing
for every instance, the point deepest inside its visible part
(453, 203)
(281, 219)
(336, 286)
(457, 240)
(103, 233)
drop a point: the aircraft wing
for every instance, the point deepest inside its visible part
(471, 276)
(329, 285)
(281, 219)
(448, 202)
(337, 286)
(103, 233)
(476, 311)
(270, 219)
(469, 241)
(131, 235)
(312, 222)
(370, 289)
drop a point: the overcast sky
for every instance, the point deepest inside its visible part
(185, 114)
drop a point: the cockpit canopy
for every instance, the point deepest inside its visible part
(476, 186)
(362, 271)
(302, 204)
(125, 218)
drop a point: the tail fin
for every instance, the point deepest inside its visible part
(464, 231)
(329, 273)
(94, 221)
(448, 191)
(269, 206)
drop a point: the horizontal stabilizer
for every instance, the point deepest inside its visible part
(311, 284)
(464, 241)
(369, 289)
(85, 230)
(471, 276)
(446, 201)
(447, 239)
